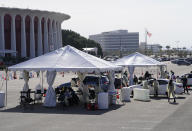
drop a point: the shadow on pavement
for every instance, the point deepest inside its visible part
(173, 103)
(158, 98)
(39, 108)
(165, 97)
(180, 97)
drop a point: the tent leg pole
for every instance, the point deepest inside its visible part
(42, 78)
(121, 80)
(99, 81)
(6, 86)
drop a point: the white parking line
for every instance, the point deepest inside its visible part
(136, 128)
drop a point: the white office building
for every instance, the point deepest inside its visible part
(114, 42)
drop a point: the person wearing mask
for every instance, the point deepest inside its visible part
(166, 75)
(184, 81)
(145, 84)
(147, 75)
(135, 80)
(155, 86)
(178, 79)
(125, 79)
(173, 75)
(170, 91)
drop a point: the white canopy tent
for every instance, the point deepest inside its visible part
(137, 60)
(64, 59)
(67, 58)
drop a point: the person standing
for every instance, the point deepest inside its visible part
(37, 73)
(147, 75)
(166, 75)
(184, 81)
(170, 91)
(125, 79)
(145, 84)
(135, 80)
(178, 80)
(156, 87)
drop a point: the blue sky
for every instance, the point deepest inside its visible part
(169, 21)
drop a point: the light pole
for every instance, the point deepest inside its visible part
(120, 48)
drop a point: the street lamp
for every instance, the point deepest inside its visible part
(120, 48)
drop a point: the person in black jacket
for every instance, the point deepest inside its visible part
(135, 80)
(147, 75)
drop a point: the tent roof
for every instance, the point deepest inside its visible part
(137, 59)
(66, 58)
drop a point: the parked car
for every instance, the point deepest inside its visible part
(189, 78)
(164, 59)
(189, 60)
(174, 61)
(93, 80)
(183, 62)
(162, 90)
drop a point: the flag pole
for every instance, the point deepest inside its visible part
(6, 70)
(145, 40)
(146, 37)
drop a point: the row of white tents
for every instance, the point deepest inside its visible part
(69, 58)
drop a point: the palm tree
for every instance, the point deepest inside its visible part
(160, 50)
(168, 47)
(184, 51)
(174, 50)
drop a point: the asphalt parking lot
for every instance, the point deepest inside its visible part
(156, 115)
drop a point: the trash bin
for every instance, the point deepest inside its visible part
(2, 99)
(125, 94)
(103, 102)
(141, 94)
(112, 97)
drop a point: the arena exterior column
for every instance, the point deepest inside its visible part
(46, 48)
(60, 32)
(40, 49)
(32, 38)
(2, 37)
(51, 46)
(13, 35)
(57, 30)
(23, 37)
(60, 35)
(55, 35)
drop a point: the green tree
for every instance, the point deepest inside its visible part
(74, 39)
